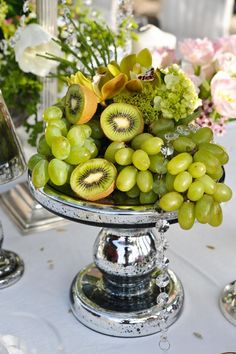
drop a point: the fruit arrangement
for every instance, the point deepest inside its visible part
(128, 135)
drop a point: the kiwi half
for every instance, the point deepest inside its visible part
(80, 104)
(93, 179)
(121, 121)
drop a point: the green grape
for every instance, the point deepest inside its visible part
(217, 175)
(216, 215)
(158, 164)
(133, 192)
(51, 132)
(76, 135)
(78, 154)
(62, 124)
(148, 198)
(202, 135)
(182, 181)
(34, 159)
(162, 126)
(141, 160)
(184, 144)
(152, 146)
(145, 181)
(69, 172)
(43, 148)
(209, 184)
(196, 191)
(159, 186)
(139, 139)
(52, 112)
(197, 169)
(97, 132)
(112, 149)
(60, 147)
(186, 215)
(222, 193)
(87, 130)
(170, 182)
(40, 174)
(203, 208)
(124, 156)
(126, 178)
(216, 150)
(210, 161)
(179, 163)
(58, 172)
(92, 147)
(171, 201)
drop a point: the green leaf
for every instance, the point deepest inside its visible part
(144, 58)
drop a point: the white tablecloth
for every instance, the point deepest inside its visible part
(204, 259)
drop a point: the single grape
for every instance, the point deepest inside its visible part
(126, 178)
(51, 132)
(58, 172)
(148, 198)
(60, 147)
(162, 126)
(216, 215)
(210, 161)
(202, 135)
(222, 193)
(76, 135)
(141, 160)
(34, 159)
(216, 150)
(186, 215)
(52, 112)
(197, 169)
(217, 175)
(145, 181)
(40, 174)
(170, 182)
(184, 144)
(171, 201)
(62, 124)
(182, 181)
(195, 191)
(124, 156)
(87, 130)
(139, 139)
(43, 148)
(133, 192)
(209, 184)
(158, 164)
(152, 146)
(78, 154)
(179, 163)
(97, 132)
(112, 149)
(203, 208)
(92, 147)
(159, 186)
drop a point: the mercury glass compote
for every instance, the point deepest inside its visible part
(12, 166)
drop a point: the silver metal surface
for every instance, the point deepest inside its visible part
(228, 302)
(28, 215)
(11, 268)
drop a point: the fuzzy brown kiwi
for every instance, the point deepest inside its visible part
(80, 104)
(121, 121)
(93, 179)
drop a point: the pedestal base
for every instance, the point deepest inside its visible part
(133, 317)
(228, 302)
(12, 269)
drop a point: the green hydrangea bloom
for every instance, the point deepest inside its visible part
(144, 100)
(176, 97)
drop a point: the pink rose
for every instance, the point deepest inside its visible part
(197, 51)
(226, 44)
(223, 90)
(163, 57)
(226, 62)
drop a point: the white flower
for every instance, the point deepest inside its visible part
(35, 40)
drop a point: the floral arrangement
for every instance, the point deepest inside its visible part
(211, 65)
(127, 135)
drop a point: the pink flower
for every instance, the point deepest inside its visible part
(226, 62)
(197, 51)
(163, 57)
(223, 90)
(226, 44)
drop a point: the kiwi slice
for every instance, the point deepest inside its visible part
(121, 121)
(93, 179)
(80, 104)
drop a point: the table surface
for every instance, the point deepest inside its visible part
(204, 259)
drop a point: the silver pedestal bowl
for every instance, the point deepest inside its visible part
(116, 295)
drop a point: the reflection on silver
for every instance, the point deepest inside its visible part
(228, 302)
(117, 295)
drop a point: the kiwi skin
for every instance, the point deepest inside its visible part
(91, 170)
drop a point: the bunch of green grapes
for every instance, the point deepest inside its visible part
(62, 147)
